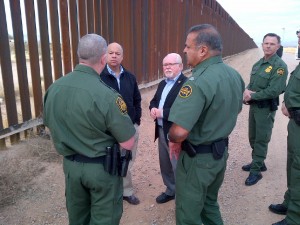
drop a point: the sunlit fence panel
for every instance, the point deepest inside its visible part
(39, 38)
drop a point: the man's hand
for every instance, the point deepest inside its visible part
(247, 95)
(175, 149)
(153, 113)
(284, 110)
(156, 113)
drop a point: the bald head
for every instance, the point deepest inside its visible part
(114, 56)
(115, 46)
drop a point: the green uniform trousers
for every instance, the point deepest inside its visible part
(261, 121)
(292, 195)
(93, 197)
(198, 181)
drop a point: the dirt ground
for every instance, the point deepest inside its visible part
(32, 180)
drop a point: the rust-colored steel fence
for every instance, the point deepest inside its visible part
(45, 49)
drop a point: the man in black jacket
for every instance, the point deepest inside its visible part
(159, 110)
(124, 82)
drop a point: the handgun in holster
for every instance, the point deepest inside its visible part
(274, 104)
(116, 162)
(126, 156)
(295, 115)
(188, 148)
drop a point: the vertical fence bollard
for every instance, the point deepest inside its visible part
(2, 141)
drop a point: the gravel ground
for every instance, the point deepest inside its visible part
(39, 200)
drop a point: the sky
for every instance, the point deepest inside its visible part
(259, 17)
(9, 21)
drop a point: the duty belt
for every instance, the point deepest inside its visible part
(201, 149)
(261, 103)
(85, 159)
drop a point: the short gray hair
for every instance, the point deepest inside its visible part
(207, 34)
(91, 48)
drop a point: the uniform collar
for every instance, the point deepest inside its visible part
(271, 60)
(206, 63)
(85, 69)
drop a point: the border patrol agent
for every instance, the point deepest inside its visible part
(85, 116)
(291, 108)
(203, 115)
(267, 82)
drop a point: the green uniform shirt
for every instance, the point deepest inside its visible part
(292, 92)
(84, 115)
(209, 102)
(268, 78)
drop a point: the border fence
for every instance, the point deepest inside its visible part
(43, 43)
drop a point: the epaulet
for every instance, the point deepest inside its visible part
(279, 62)
(282, 64)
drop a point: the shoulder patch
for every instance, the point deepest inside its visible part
(268, 70)
(280, 71)
(122, 105)
(185, 91)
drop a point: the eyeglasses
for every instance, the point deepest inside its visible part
(170, 64)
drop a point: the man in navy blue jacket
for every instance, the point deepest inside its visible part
(124, 82)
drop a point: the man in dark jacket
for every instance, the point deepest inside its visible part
(159, 110)
(124, 82)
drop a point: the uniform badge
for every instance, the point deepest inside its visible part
(122, 105)
(185, 91)
(280, 71)
(268, 70)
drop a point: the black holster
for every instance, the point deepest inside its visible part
(112, 159)
(217, 148)
(126, 156)
(116, 162)
(272, 103)
(188, 148)
(108, 160)
(295, 115)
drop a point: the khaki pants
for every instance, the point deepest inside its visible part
(127, 181)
